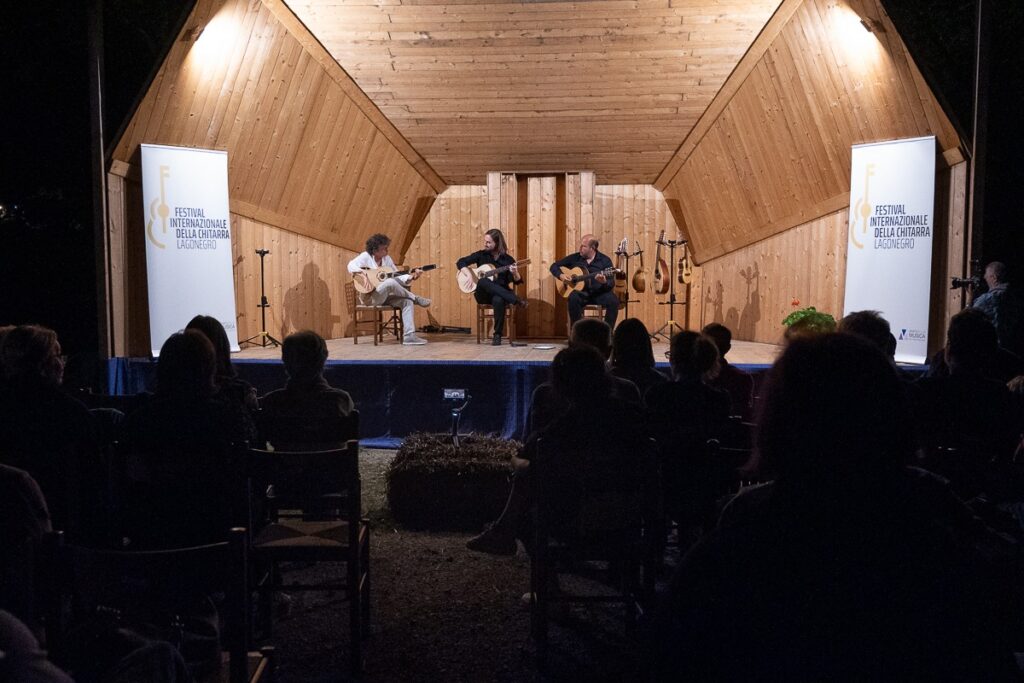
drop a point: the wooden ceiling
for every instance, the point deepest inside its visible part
(612, 86)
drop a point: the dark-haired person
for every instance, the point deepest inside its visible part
(308, 414)
(392, 291)
(598, 289)
(497, 290)
(229, 384)
(180, 443)
(633, 356)
(613, 428)
(46, 432)
(849, 565)
(730, 379)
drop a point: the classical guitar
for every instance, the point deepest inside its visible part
(640, 276)
(621, 288)
(661, 274)
(468, 277)
(685, 268)
(579, 279)
(367, 279)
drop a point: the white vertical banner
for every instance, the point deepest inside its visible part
(188, 240)
(889, 255)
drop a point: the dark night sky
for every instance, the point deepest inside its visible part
(46, 269)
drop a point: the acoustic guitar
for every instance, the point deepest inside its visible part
(640, 276)
(367, 279)
(661, 274)
(621, 288)
(579, 279)
(470, 275)
(685, 268)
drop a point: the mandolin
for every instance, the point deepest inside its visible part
(621, 288)
(579, 279)
(367, 280)
(468, 277)
(661, 274)
(640, 276)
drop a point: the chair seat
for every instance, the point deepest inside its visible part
(300, 533)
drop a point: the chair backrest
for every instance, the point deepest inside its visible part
(350, 297)
(299, 430)
(315, 484)
(611, 497)
(142, 587)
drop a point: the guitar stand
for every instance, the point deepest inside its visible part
(265, 338)
(671, 327)
(625, 269)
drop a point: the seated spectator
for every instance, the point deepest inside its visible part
(308, 414)
(21, 658)
(596, 423)
(849, 566)
(633, 357)
(180, 442)
(682, 416)
(967, 409)
(730, 379)
(46, 432)
(229, 385)
(24, 518)
(545, 404)
(990, 359)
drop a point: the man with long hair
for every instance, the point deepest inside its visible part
(497, 290)
(393, 291)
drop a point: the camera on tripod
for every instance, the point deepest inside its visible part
(973, 282)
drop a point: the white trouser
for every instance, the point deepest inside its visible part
(391, 292)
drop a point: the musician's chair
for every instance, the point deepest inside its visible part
(485, 322)
(589, 311)
(370, 319)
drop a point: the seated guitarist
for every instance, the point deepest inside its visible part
(496, 290)
(596, 290)
(392, 291)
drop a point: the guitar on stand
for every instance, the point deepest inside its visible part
(621, 283)
(367, 279)
(640, 276)
(662, 279)
(669, 285)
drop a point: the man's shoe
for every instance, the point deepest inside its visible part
(522, 303)
(496, 340)
(492, 542)
(413, 340)
(421, 301)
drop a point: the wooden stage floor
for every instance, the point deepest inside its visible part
(455, 348)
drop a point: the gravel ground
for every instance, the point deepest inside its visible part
(441, 612)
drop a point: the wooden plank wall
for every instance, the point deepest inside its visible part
(778, 153)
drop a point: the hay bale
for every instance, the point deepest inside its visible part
(431, 486)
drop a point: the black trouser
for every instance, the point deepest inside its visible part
(489, 292)
(608, 299)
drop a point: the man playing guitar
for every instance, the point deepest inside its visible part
(392, 291)
(598, 289)
(496, 290)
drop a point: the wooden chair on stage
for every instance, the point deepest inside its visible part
(375, 320)
(485, 322)
(589, 311)
(312, 500)
(143, 590)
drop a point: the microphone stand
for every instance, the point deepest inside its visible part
(265, 338)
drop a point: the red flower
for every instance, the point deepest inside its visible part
(794, 303)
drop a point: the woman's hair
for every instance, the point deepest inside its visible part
(631, 345)
(834, 406)
(304, 354)
(376, 241)
(215, 332)
(499, 240)
(186, 366)
(694, 356)
(31, 352)
(578, 374)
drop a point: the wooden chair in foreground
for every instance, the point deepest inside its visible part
(312, 501)
(375, 320)
(618, 521)
(139, 587)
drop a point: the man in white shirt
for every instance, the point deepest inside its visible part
(392, 291)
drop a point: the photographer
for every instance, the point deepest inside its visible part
(1001, 306)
